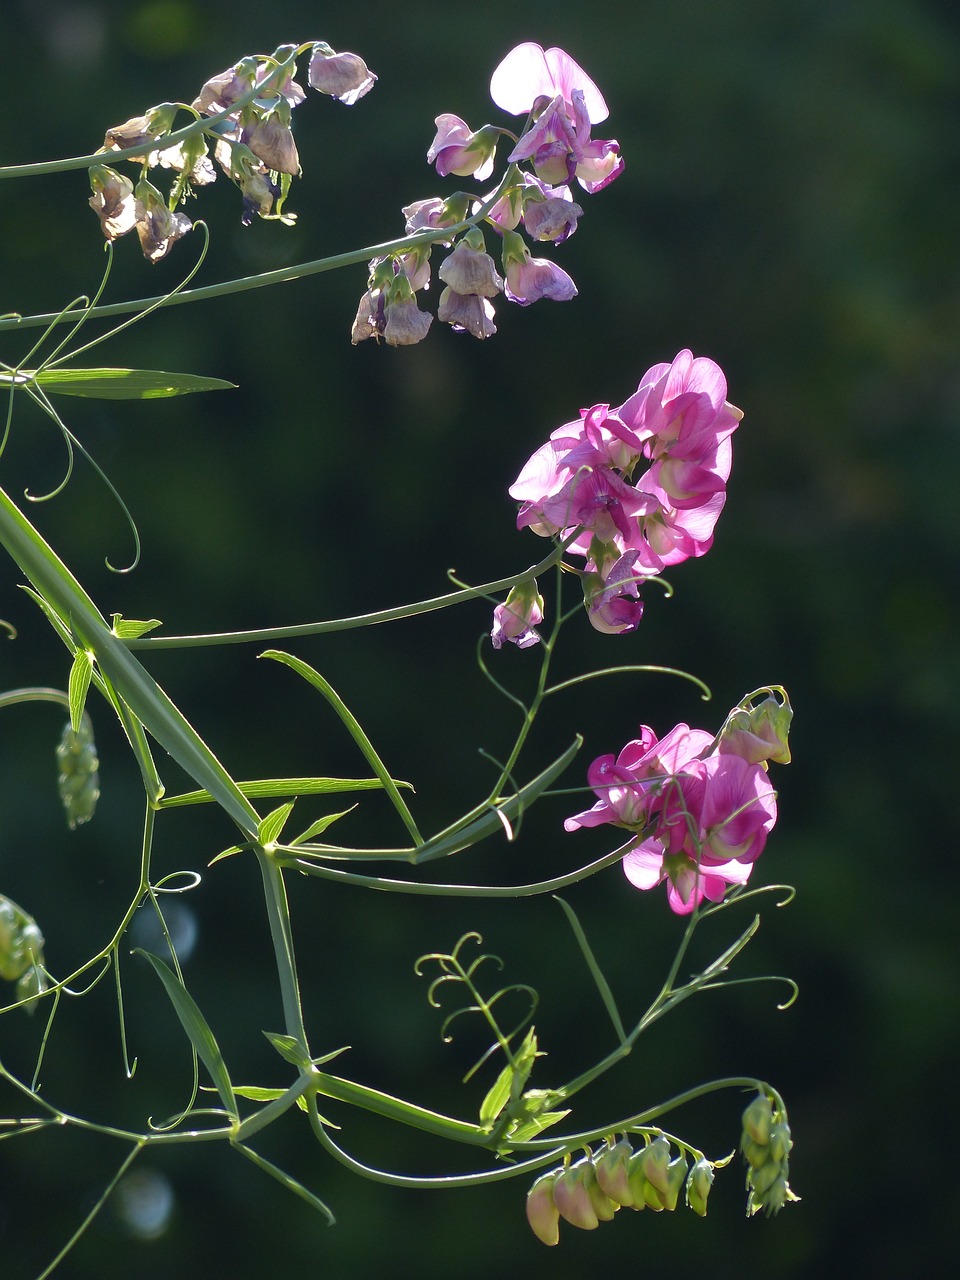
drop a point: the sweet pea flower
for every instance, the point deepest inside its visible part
(470, 270)
(271, 141)
(688, 884)
(550, 213)
(467, 312)
(112, 201)
(530, 73)
(458, 150)
(344, 76)
(611, 596)
(157, 226)
(515, 619)
(527, 279)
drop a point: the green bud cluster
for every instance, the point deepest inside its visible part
(766, 1145)
(21, 950)
(592, 1189)
(78, 779)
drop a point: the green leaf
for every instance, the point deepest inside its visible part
(131, 628)
(321, 824)
(199, 1033)
(498, 1097)
(270, 827)
(123, 384)
(527, 1129)
(289, 1049)
(80, 674)
(227, 853)
(256, 1094)
(262, 788)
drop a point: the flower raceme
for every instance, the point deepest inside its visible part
(701, 811)
(561, 103)
(580, 486)
(254, 145)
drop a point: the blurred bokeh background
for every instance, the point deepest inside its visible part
(789, 207)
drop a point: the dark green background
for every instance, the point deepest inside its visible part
(789, 207)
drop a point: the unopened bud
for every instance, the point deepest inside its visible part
(542, 1213)
(612, 1166)
(78, 778)
(654, 1160)
(676, 1177)
(758, 1118)
(572, 1198)
(699, 1182)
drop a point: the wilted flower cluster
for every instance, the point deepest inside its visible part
(701, 806)
(766, 1144)
(21, 950)
(580, 485)
(253, 145)
(591, 1190)
(561, 103)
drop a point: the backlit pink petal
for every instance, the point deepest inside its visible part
(529, 72)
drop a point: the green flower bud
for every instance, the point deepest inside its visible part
(654, 1159)
(78, 779)
(758, 1118)
(780, 1142)
(612, 1166)
(699, 1182)
(542, 1213)
(676, 1177)
(602, 1205)
(572, 1198)
(753, 1153)
(645, 1194)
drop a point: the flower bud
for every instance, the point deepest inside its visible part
(654, 1160)
(699, 1182)
(676, 1177)
(612, 1166)
(645, 1194)
(602, 1205)
(759, 733)
(78, 778)
(542, 1213)
(757, 1119)
(572, 1197)
(516, 618)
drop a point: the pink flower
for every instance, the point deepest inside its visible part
(527, 279)
(611, 596)
(344, 76)
(701, 818)
(529, 73)
(457, 150)
(516, 618)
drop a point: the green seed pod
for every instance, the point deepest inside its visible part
(78, 779)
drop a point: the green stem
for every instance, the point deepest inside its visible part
(395, 614)
(63, 593)
(278, 914)
(402, 244)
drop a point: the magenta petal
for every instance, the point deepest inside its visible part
(643, 866)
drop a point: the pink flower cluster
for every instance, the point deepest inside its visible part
(701, 807)
(580, 485)
(561, 103)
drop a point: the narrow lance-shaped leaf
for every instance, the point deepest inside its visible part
(80, 674)
(197, 1029)
(123, 384)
